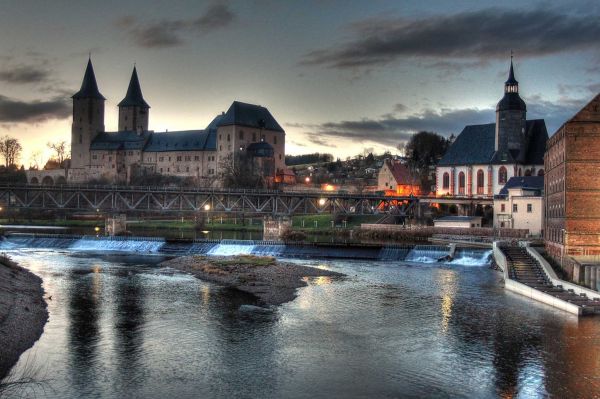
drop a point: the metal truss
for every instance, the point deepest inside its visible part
(183, 200)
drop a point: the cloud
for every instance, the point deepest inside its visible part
(23, 74)
(16, 111)
(390, 130)
(475, 35)
(170, 33)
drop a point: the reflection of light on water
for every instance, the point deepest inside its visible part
(96, 281)
(205, 294)
(320, 280)
(447, 281)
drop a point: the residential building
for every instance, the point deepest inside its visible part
(458, 221)
(520, 205)
(396, 178)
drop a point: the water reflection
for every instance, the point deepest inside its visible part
(84, 333)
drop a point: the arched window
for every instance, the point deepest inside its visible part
(527, 172)
(520, 173)
(446, 181)
(502, 175)
(541, 172)
(461, 183)
(480, 181)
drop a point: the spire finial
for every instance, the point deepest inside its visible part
(89, 56)
(511, 55)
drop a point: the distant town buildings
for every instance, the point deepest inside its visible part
(572, 186)
(484, 157)
(520, 204)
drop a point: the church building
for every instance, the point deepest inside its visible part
(133, 150)
(484, 157)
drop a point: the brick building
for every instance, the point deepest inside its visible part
(572, 186)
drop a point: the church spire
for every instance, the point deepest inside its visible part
(511, 85)
(134, 97)
(89, 87)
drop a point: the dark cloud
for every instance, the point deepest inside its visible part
(24, 74)
(477, 35)
(170, 33)
(16, 111)
(390, 130)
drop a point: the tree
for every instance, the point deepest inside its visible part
(423, 150)
(36, 160)
(60, 150)
(10, 149)
(239, 172)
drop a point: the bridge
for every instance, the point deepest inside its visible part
(181, 200)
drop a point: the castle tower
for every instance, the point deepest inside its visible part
(133, 109)
(88, 118)
(510, 116)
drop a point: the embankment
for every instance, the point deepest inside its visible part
(23, 312)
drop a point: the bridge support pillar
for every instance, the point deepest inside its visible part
(274, 227)
(116, 225)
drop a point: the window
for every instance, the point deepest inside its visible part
(228, 137)
(502, 175)
(253, 136)
(515, 208)
(187, 168)
(196, 158)
(529, 208)
(274, 139)
(540, 172)
(502, 208)
(241, 135)
(161, 159)
(461, 183)
(188, 158)
(178, 158)
(94, 156)
(446, 181)
(480, 181)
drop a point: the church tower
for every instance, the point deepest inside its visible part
(133, 109)
(510, 116)
(88, 118)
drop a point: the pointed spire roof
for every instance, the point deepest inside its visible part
(89, 87)
(134, 97)
(511, 74)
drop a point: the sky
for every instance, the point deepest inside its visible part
(341, 77)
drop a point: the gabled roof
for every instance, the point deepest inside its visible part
(524, 182)
(89, 87)
(476, 143)
(134, 97)
(400, 172)
(123, 140)
(590, 112)
(186, 140)
(250, 115)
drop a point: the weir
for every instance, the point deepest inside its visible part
(159, 246)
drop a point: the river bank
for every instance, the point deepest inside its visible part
(23, 312)
(271, 281)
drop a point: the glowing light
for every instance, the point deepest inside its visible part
(328, 187)
(322, 201)
(307, 179)
(207, 207)
(96, 229)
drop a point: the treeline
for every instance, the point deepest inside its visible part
(316, 157)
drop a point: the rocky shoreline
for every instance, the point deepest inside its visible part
(23, 312)
(271, 281)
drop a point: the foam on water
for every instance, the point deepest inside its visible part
(231, 249)
(117, 245)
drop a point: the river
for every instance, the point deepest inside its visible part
(122, 327)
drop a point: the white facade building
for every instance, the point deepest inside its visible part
(520, 205)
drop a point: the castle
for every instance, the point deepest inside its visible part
(484, 157)
(134, 150)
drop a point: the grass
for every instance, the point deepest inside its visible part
(238, 260)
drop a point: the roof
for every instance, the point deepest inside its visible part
(457, 218)
(186, 140)
(123, 140)
(250, 115)
(511, 75)
(476, 145)
(400, 172)
(524, 182)
(89, 87)
(134, 97)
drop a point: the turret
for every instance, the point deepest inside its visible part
(133, 109)
(88, 118)
(510, 116)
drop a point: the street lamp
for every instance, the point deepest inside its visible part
(322, 201)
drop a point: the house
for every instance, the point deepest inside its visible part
(520, 204)
(395, 178)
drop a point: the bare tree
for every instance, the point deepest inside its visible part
(10, 149)
(238, 172)
(60, 151)
(36, 160)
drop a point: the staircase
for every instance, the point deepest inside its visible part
(524, 269)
